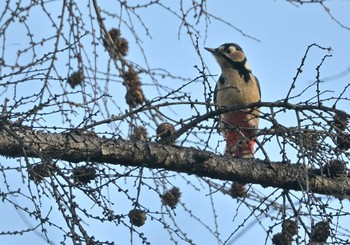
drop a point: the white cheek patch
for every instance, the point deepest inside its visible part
(232, 49)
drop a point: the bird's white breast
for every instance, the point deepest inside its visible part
(235, 90)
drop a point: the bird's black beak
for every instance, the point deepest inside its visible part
(211, 50)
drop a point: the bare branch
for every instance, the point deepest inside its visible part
(89, 148)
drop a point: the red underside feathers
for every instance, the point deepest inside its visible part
(238, 132)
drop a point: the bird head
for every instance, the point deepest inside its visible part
(229, 55)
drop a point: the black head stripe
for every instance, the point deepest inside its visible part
(239, 66)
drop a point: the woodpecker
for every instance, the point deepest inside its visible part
(236, 86)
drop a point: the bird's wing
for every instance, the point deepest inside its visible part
(258, 84)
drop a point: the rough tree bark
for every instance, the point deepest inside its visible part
(77, 147)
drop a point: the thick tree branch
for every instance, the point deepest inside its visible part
(18, 142)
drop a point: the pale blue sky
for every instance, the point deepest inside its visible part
(284, 31)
